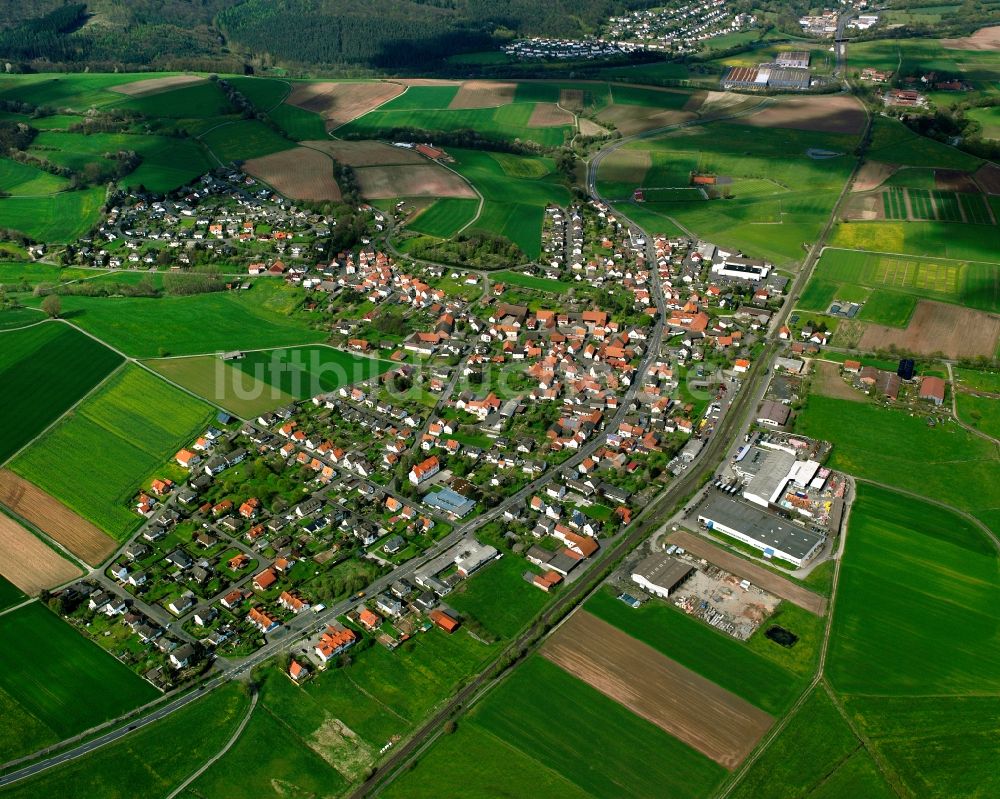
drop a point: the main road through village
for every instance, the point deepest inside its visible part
(728, 432)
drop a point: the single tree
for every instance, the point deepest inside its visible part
(52, 306)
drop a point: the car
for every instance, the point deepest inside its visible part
(359, 595)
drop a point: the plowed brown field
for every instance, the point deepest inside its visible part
(830, 113)
(339, 103)
(28, 563)
(301, 173)
(427, 180)
(483, 94)
(708, 718)
(366, 153)
(54, 519)
(143, 88)
(939, 327)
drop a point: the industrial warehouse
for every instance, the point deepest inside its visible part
(763, 77)
(774, 537)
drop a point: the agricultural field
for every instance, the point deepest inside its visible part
(243, 140)
(366, 153)
(78, 92)
(914, 575)
(500, 177)
(338, 103)
(110, 444)
(816, 745)
(222, 384)
(978, 400)
(951, 240)
(411, 180)
(44, 370)
(191, 101)
(28, 563)
(152, 761)
(894, 143)
(771, 681)
(146, 327)
(528, 715)
(301, 174)
(498, 598)
(57, 682)
(933, 328)
(10, 594)
(988, 119)
(970, 283)
(444, 217)
(304, 372)
(291, 767)
(892, 447)
(58, 218)
(24, 180)
(771, 221)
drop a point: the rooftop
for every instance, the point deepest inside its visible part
(754, 523)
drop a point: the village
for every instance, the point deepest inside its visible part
(542, 426)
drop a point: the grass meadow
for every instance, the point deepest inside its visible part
(545, 284)
(147, 327)
(24, 180)
(499, 598)
(780, 196)
(894, 143)
(44, 370)
(56, 218)
(913, 613)
(516, 190)
(150, 762)
(303, 372)
(10, 594)
(243, 140)
(944, 462)
(56, 683)
(96, 458)
(444, 217)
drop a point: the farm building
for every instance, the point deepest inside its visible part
(773, 536)
(932, 388)
(797, 59)
(660, 574)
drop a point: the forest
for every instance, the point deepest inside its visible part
(199, 33)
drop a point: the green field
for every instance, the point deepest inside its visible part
(289, 768)
(988, 119)
(503, 123)
(444, 217)
(499, 598)
(981, 412)
(914, 577)
(222, 383)
(79, 91)
(969, 283)
(24, 180)
(186, 102)
(96, 458)
(167, 161)
(545, 284)
(500, 178)
(13, 318)
(943, 462)
(780, 196)
(769, 679)
(58, 218)
(56, 683)
(951, 240)
(810, 753)
(894, 143)
(245, 139)
(151, 762)
(889, 308)
(44, 370)
(422, 98)
(147, 327)
(304, 372)
(557, 729)
(10, 594)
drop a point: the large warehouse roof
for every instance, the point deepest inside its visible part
(754, 523)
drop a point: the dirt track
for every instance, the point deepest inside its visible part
(757, 575)
(29, 563)
(708, 718)
(54, 519)
(301, 173)
(939, 327)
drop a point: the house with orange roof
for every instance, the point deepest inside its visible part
(447, 623)
(292, 600)
(334, 641)
(369, 619)
(741, 365)
(265, 579)
(425, 469)
(187, 459)
(297, 671)
(248, 510)
(238, 562)
(262, 620)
